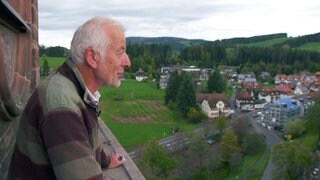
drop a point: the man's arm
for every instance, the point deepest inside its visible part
(67, 140)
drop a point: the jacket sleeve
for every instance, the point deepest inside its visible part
(67, 141)
(105, 160)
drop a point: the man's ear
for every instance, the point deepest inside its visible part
(91, 58)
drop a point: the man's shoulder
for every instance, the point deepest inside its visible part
(60, 92)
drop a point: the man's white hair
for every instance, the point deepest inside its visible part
(92, 34)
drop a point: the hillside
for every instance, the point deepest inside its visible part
(175, 43)
(254, 39)
(309, 42)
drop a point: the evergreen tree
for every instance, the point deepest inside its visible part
(42, 49)
(216, 83)
(186, 97)
(172, 88)
(45, 67)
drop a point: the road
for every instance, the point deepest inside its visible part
(171, 144)
(271, 139)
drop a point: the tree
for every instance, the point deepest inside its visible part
(172, 88)
(229, 145)
(291, 159)
(45, 66)
(42, 49)
(295, 128)
(198, 148)
(155, 158)
(56, 51)
(220, 123)
(312, 117)
(138, 63)
(253, 143)
(216, 83)
(195, 116)
(240, 128)
(202, 173)
(186, 97)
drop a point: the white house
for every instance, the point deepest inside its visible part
(214, 105)
(299, 90)
(141, 75)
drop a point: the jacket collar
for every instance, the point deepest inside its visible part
(86, 97)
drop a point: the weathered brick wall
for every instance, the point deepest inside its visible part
(19, 71)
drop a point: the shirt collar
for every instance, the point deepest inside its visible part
(94, 96)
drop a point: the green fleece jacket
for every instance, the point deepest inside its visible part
(58, 133)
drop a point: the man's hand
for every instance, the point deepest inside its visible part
(116, 160)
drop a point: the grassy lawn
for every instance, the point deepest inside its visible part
(53, 62)
(312, 46)
(267, 43)
(135, 113)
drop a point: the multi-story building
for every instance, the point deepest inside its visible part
(277, 114)
(163, 81)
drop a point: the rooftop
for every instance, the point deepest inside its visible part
(288, 102)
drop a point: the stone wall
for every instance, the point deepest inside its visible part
(19, 69)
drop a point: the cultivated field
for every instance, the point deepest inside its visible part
(135, 113)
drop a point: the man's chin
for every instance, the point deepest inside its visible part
(116, 85)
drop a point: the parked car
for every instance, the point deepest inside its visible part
(210, 141)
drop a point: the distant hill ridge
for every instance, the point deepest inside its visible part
(254, 39)
(179, 43)
(176, 43)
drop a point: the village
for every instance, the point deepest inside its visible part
(287, 99)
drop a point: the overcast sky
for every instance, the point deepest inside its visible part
(191, 19)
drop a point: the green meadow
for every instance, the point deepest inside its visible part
(53, 62)
(135, 113)
(312, 46)
(266, 43)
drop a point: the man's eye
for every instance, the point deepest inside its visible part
(121, 52)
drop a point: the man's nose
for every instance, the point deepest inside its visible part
(126, 61)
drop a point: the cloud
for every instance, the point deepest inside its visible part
(199, 19)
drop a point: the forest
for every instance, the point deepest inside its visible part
(284, 57)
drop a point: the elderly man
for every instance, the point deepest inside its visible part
(58, 133)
